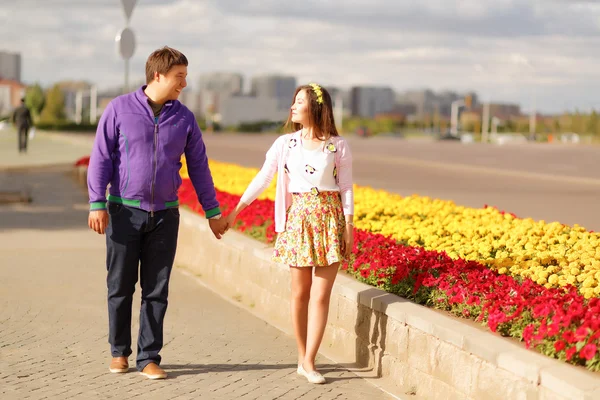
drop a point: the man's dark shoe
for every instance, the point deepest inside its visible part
(119, 365)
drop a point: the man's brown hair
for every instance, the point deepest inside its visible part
(162, 60)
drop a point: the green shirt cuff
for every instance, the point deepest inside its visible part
(213, 212)
(98, 205)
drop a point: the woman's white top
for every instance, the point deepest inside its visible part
(308, 169)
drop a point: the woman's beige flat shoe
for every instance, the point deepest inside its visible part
(312, 377)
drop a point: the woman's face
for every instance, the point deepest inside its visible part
(300, 108)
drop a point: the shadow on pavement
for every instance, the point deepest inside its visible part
(196, 369)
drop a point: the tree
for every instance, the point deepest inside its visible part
(477, 126)
(556, 125)
(578, 123)
(522, 125)
(54, 109)
(593, 123)
(34, 100)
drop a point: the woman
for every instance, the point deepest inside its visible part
(314, 209)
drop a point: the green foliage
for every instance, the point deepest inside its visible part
(66, 126)
(375, 127)
(260, 126)
(34, 100)
(54, 108)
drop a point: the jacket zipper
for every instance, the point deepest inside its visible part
(154, 162)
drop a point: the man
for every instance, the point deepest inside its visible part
(22, 120)
(140, 139)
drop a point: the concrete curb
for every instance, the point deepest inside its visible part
(408, 347)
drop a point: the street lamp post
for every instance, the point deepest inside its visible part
(93, 93)
(495, 123)
(485, 123)
(521, 60)
(456, 104)
(485, 117)
(126, 40)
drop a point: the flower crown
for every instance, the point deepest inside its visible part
(317, 89)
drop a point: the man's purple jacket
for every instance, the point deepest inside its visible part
(140, 156)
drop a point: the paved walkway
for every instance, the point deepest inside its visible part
(53, 319)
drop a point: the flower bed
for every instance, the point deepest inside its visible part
(457, 259)
(551, 254)
(558, 322)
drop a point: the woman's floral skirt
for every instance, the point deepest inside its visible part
(314, 231)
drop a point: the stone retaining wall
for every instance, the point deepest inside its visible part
(416, 349)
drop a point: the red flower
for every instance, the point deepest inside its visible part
(588, 352)
(595, 336)
(560, 345)
(569, 336)
(581, 333)
(83, 161)
(570, 352)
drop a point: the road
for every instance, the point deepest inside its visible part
(550, 182)
(540, 181)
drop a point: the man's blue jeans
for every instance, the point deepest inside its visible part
(136, 239)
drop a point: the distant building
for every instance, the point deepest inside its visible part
(215, 86)
(338, 94)
(191, 100)
(425, 102)
(70, 90)
(235, 110)
(367, 102)
(11, 93)
(405, 109)
(221, 82)
(278, 87)
(505, 110)
(428, 103)
(10, 66)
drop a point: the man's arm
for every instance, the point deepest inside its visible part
(100, 170)
(199, 172)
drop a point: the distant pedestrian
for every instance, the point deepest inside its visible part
(22, 119)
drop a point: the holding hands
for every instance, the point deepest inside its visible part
(221, 225)
(218, 226)
(229, 220)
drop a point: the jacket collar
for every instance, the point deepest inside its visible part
(141, 96)
(143, 99)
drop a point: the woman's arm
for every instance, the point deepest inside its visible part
(261, 181)
(345, 180)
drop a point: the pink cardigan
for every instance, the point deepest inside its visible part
(275, 161)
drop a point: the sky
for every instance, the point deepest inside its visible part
(538, 53)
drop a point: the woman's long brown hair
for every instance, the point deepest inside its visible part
(320, 116)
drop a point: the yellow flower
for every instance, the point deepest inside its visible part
(550, 253)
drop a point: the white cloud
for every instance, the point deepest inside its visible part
(404, 44)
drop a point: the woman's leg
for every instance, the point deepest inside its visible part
(320, 295)
(301, 282)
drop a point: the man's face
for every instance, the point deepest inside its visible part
(172, 83)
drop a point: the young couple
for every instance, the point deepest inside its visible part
(140, 139)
